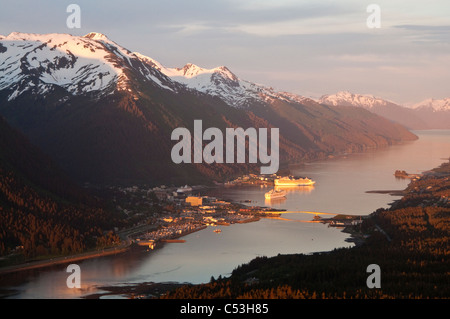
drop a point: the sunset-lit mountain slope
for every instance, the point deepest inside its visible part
(105, 114)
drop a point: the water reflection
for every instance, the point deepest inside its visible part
(274, 201)
(290, 191)
(50, 281)
(342, 186)
(296, 189)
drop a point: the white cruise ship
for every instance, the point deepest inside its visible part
(275, 193)
(291, 181)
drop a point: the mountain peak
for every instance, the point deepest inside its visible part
(226, 73)
(190, 70)
(96, 36)
(347, 98)
(41, 62)
(434, 104)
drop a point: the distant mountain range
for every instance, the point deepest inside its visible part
(105, 114)
(429, 114)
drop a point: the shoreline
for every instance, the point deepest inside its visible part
(62, 260)
(390, 192)
(98, 253)
(116, 250)
(127, 246)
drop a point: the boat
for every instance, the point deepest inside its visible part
(275, 193)
(291, 181)
(217, 230)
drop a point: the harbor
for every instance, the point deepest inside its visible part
(341, 190)
(184, 211)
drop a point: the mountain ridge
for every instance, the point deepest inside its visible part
(105, 113)
(428, 114)
(435, 104)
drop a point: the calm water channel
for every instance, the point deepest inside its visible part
(341, 185)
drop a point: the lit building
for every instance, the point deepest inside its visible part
(194, 201)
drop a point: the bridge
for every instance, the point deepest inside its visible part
(298, 211)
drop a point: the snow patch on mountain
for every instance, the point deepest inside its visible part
(346, 98)
(219, 82)
(436, 105)
(366, 101)
(94, 63)
(97, 36)
(78, 64)
(223, 83)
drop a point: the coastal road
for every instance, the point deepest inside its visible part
(124, 245)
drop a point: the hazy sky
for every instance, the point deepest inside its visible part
(311, 47)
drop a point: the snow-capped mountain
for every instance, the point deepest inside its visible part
(346, 98)
(80, 65)
(429, 114)
(218, 81)
(105, 113)
(435, 105)
(222, 83)
(95, 64)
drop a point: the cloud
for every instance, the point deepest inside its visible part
(426, 28)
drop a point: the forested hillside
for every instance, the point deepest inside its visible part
(41, 211)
